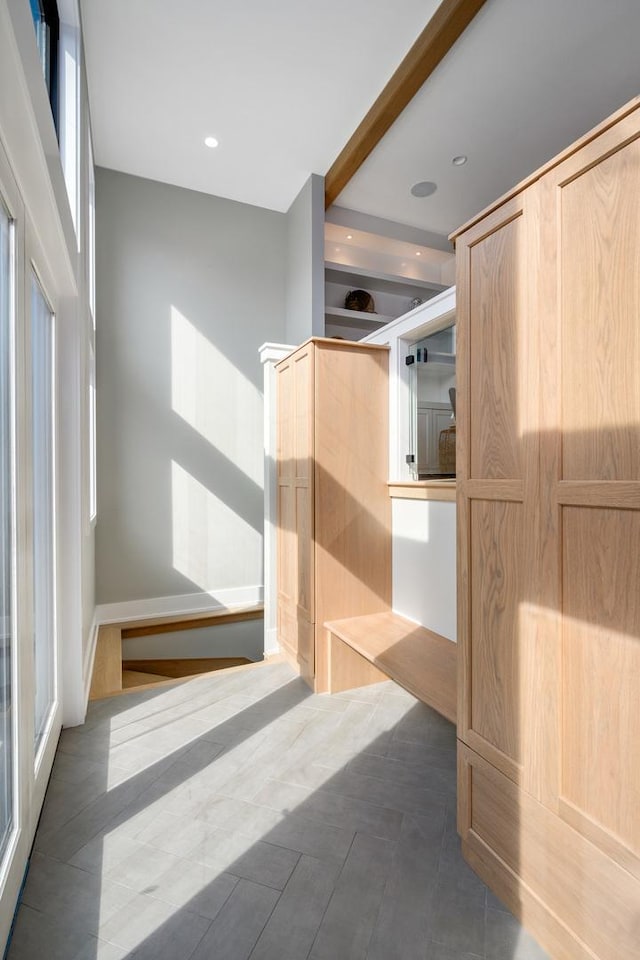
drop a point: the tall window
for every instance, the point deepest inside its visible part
(93, 502)
(69, 115)
(6, 528)
(43, 506)
(47, 26)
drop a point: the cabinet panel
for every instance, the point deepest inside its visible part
(285, 416)
(599, 241)
(496, 573)
(334, 520)
(295, 554)
(594, 898)
(496, 318)
(303, 415)
(601, 673)
(286, 553)
(296, 637)
(549, 606)
(304, 551)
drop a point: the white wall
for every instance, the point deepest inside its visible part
(424, 563)
(305, 263)
(189, 286)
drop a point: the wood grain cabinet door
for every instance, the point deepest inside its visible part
(549, 547)
(590, 466)
(295, 547)
(496, 483)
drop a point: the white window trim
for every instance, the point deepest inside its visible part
(9, 200)
(55, 706)
(69, 47)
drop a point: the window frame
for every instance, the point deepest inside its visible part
(35, 276)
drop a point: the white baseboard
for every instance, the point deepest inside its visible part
(87, 666)
(179, 605)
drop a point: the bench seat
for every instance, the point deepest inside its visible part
(368, 649)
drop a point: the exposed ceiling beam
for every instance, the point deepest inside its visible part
(448, 22)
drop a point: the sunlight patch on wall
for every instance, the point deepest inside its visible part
(215, 398)
(206, 533)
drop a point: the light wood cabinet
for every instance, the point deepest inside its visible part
(334, 522)
(548, 488)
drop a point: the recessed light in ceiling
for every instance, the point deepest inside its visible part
(459, 161)
(210, 142)
(424, 189)
(349, 236)
(418, 254)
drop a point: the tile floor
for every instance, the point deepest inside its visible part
(240, 817)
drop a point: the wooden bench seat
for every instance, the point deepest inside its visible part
(363, 650)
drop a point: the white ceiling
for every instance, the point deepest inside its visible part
(526, 79)
(282, 85)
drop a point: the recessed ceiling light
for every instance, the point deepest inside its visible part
(424, 189)
(349, 237)
(337, 249)
(459, 161)
(418, 254)
(210, 142)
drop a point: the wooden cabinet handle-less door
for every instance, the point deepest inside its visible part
(549, 534)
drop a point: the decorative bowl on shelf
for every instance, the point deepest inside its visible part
(359, 300)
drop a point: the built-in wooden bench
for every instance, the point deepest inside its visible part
(364, 650)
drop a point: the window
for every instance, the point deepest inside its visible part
(432, 382)
(6, 528)
(58, 40)
(42, 394)
(91, 242)
(47, 27)
(93, 498)
(91, 239)
(69, 115)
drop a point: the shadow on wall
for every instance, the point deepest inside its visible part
(197, 509)
(180, 321)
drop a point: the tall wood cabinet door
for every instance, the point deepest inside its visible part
(286, 518)
(295, 509)
(589, 315)
(500, 679)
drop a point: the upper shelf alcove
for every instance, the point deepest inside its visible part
(396, 273)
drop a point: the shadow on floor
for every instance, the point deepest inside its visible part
(241, 817)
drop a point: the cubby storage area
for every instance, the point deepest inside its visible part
(397, 274)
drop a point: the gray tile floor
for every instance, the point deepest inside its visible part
(240, 817)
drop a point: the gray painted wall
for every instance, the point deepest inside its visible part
(305, 263)
(189, 286)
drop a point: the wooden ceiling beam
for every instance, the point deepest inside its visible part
(448, 22)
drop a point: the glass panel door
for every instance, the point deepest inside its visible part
(43, 506)
(6, 528)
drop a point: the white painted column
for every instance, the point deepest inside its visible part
(270, 354)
